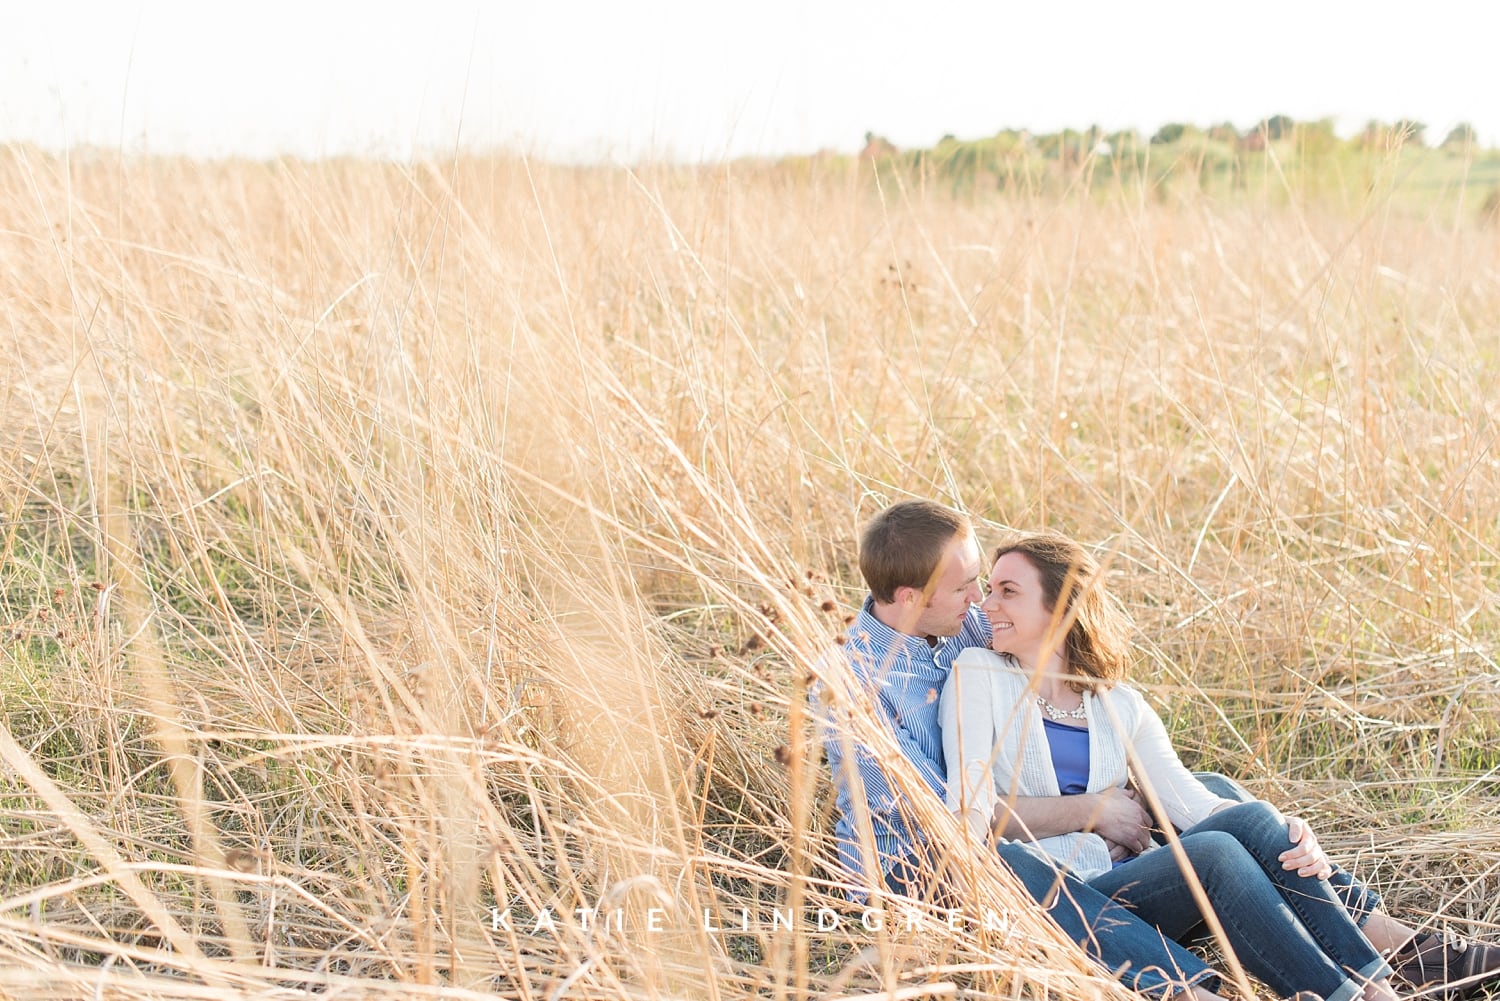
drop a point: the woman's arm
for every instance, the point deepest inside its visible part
(1182, 796)
(965, 712)
(1116, 815)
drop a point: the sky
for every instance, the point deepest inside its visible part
(586, 80)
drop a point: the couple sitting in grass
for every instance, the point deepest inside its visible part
(1002, 685)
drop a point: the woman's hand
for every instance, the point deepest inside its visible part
(1122, 822)
(1306, 855)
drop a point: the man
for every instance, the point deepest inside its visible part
(923, 565)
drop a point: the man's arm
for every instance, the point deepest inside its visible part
(880, 796)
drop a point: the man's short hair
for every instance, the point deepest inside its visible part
(902, 545)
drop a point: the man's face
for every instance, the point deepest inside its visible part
(940, 610)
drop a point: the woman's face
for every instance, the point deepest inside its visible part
(1019, 617)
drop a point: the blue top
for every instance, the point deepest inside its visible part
(904, 675)
(1070, 756)
(1070, 759)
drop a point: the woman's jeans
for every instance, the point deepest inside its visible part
(1358, 898)
(1293, 933)
(1140, 956)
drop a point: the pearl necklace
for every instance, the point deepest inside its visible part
(1057, 715)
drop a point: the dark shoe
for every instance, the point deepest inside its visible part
(1447, 967)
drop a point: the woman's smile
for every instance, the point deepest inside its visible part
(1019, 618)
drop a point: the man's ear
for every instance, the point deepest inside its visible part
(908, 606)
(908, 597)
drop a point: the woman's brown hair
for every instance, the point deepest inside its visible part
(1098, 641)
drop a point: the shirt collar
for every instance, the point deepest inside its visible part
(883, 637)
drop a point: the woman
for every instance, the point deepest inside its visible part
(1041, 743)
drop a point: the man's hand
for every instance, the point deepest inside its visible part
(1122, 822)
(1118, 853)
(1306, 855)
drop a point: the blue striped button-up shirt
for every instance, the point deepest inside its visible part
(903, 675)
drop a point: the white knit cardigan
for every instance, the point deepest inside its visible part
(995, 747)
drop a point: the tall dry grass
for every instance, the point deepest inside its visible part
(386, 545)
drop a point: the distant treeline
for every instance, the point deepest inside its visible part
(1306, 157)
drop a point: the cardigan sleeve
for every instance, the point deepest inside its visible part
(1184, 798)
(969, 741)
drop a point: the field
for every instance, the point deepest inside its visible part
(411, 576)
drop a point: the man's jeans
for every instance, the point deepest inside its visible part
(1140, 956)
(1294, 933)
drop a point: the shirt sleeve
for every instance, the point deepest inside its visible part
(1184, 798)
(975, 633)
(839, 742)
(930, 770)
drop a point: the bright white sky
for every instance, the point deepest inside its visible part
(704, 79)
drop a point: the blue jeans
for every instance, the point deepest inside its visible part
(1140, 956)
(1358, 898)
(1294, 933)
